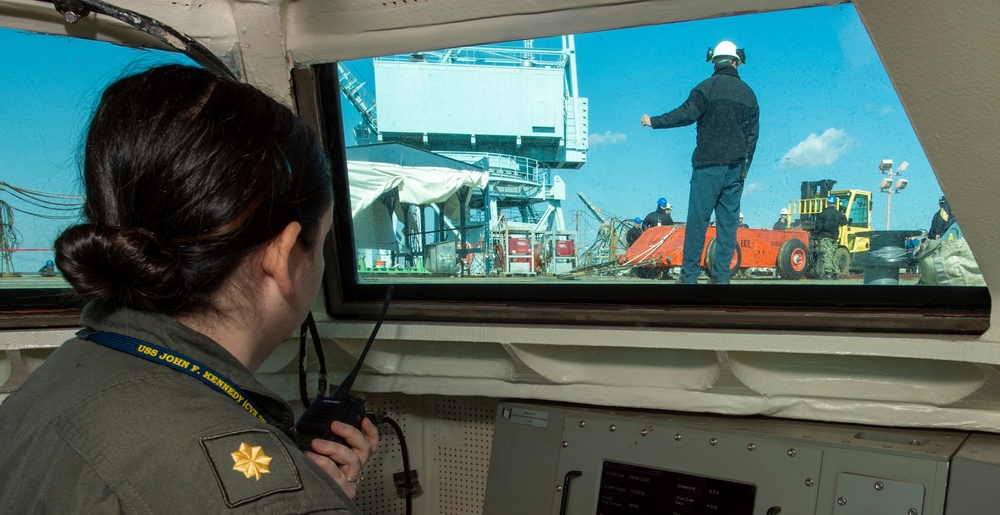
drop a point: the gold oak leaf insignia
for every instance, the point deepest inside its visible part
(251, 461)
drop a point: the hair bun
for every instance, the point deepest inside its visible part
(126, 265)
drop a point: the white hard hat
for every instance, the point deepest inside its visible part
(727, 49)
(741, 215)
(784, 211)
(669, 206)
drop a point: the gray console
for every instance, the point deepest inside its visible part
(553, 459)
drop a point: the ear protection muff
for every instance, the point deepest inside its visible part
(741, 53)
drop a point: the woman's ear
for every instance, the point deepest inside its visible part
(277, 258)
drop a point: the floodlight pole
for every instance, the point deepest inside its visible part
(885, 168)
(888, 205)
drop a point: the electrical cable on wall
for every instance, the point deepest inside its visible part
(74, 10)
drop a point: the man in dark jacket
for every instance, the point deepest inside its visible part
(659, 216)
(942, 220)
(782, 222)
(633, 232)
(826, 234)
(726, 112)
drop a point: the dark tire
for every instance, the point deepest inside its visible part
(734, 265)
(843, 261)
(793, 259)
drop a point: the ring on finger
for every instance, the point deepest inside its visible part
(355, 479)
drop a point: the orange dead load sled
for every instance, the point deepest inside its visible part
(661, 248)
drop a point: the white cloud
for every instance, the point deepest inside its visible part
(607, 137)
(751, 187)
(821, 150)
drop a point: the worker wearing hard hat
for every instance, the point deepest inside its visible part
(48, 269)
(942, 220)
(826, 234)
(633, 232)
(659, 216)
(726, 112)
(782, 222)
(742, 225)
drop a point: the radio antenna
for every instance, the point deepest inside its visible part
(345, 386)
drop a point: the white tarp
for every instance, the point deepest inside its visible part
(417, 185)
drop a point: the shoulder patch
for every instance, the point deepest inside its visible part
(250, 464)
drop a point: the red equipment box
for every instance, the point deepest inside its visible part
(519, 246)
(565, 248)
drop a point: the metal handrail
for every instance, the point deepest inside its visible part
(488, 56)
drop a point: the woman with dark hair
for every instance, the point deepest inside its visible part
(201, 250)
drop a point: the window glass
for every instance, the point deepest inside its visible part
(526, 161)
(51, 86)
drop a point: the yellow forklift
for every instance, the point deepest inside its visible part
(855, 204)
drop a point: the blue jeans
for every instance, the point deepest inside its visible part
(719, 189)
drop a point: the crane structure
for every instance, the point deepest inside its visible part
(513, 110)
(357, 94)
(609, 241)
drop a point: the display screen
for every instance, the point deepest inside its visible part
(631, 489)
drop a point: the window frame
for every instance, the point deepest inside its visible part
(861, 308)
(61, 307)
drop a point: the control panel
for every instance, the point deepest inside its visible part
(578, 460)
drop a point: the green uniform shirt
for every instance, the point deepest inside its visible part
(97, 430)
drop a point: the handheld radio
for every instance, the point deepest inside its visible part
(341, 406)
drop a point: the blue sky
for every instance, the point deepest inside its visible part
(50, 87)
(828, 111)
